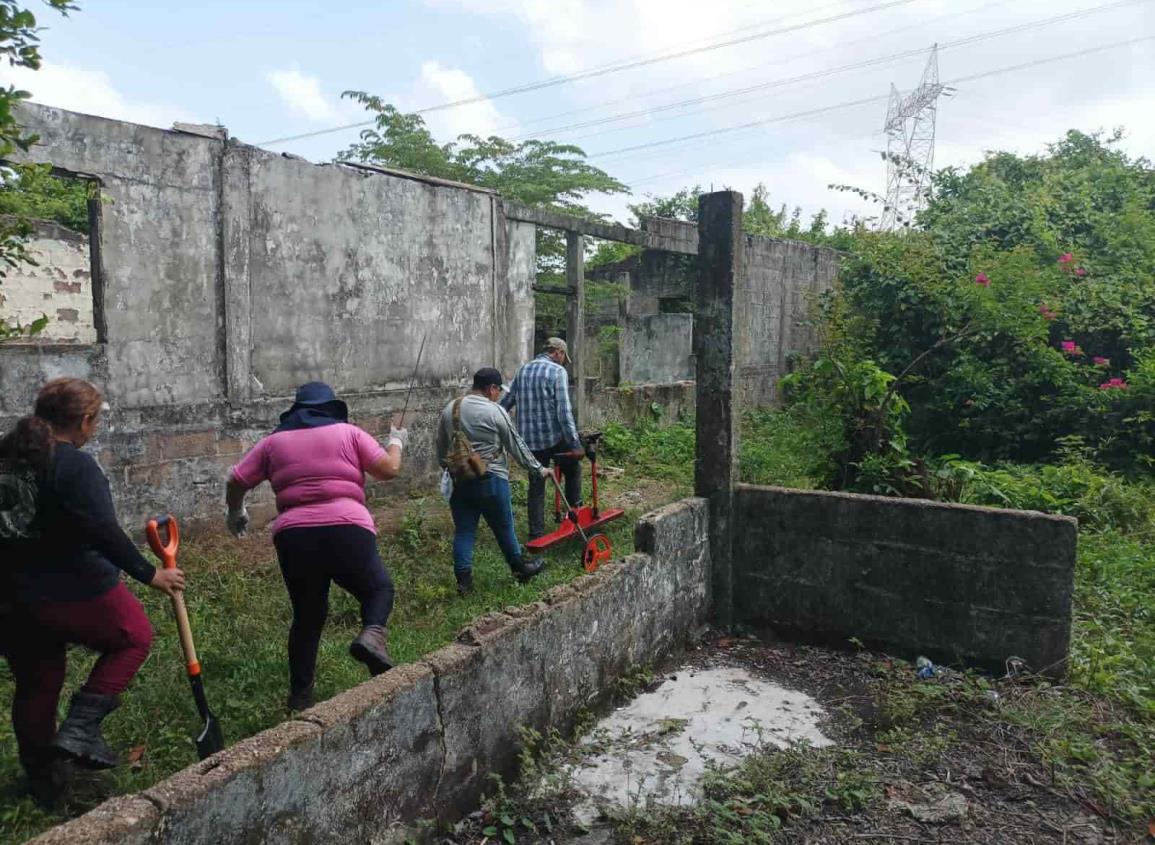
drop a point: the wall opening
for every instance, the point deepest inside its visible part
(51, 281)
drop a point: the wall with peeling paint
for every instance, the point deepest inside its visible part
(225, 275)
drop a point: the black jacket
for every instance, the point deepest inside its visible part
(81, 549)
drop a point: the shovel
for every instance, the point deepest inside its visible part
(209, 741)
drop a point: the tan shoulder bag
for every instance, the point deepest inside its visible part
(463, 463)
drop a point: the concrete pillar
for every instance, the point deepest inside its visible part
(235, 211)
(720, 254)
(576, 319)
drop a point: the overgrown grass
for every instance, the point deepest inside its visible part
(240, 614)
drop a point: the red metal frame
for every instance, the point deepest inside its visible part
(588, 517)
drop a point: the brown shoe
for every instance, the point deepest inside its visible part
(369, 648)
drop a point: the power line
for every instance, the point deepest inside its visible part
(850, 103)
(1026, 65)
(785, 60)
(608, 69)
(778, 83)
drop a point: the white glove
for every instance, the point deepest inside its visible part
(546, 472)
(238, 522)
(398, 437)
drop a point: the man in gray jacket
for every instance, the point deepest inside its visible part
(493, 437)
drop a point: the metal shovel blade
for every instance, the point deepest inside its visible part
(210, 740)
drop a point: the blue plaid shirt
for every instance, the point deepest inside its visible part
(540, 390)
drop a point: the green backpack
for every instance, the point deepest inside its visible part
(18, 492)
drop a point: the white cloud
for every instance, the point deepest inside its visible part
(302, 95)
(88, 91)
(441, 84)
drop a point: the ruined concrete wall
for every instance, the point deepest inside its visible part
(422, 740)
(651, 404)
(57, 286)
(956, 583)
(780, 285)
(657, 349)
(228, 275)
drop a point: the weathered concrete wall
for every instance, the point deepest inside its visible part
(781, 282)
(955, 583)
(228, 275)
(777, 297)
(654, 404)
(657, 349)
(58, 286)
(422, 740)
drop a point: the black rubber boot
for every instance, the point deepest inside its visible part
(49, 778)
(301, 699)
(464, 582)
(369, 648)
(80, 737)
(524, 570)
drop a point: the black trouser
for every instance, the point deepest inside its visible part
(571, 470)
(310, 559)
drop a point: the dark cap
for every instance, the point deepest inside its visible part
(486, 377)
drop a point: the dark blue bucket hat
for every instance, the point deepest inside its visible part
(314, 405)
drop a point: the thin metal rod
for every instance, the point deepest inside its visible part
(412, 379)
(570, 512)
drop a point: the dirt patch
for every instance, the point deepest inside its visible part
(937, 759)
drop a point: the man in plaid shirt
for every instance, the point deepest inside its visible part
(540, 392)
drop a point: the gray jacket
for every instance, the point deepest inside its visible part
(491, 433)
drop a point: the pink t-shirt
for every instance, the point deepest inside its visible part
(318, 475)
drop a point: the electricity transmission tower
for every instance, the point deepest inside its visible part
(910, 146)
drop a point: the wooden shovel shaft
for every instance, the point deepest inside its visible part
(186, 638)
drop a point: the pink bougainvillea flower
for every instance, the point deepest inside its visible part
(1114, 384)
(1047, 313)
(1066, 258)
(981, 279)
(1080, 271)
(1100, 361)
(1069, 347)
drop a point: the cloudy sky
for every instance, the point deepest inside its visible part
(807, 80)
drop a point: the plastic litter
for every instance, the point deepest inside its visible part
(925, 669)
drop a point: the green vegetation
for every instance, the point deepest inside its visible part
(240, 616)
(20, 47)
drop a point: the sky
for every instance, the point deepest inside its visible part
(808, 80)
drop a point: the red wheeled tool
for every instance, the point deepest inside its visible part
(581, 521)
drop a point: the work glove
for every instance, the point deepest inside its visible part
(238, 522)
(398, 437)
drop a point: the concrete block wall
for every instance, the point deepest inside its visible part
(58, 286)
(229, 275)
(422, 740)
(956, 583)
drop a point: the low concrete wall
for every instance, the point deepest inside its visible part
(952, 582)
(422, 740)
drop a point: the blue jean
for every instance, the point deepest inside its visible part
(486, 497)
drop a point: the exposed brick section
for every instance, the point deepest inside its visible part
(66, 287)
(67, 315)
(192, 444)
(955, 583)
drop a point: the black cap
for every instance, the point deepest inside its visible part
(486, 377)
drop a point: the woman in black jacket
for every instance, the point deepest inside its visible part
(64, 567)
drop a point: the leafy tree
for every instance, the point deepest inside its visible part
(1016, 314)
(538, 173)
(19, 44)
(33, 192)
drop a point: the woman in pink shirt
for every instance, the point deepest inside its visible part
(316, 462)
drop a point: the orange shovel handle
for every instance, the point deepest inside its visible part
(166, 550)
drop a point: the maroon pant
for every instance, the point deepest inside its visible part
(113, 624)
